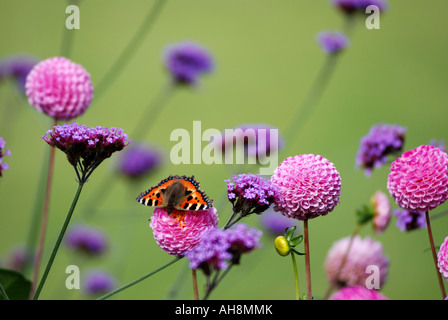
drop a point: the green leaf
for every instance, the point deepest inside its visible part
(295, 241)
(16, 286)
(290, 233)
(298, 252)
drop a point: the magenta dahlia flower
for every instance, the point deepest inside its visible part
(59, 88)
(382, 211)
(363, 253)
(442, 256)
(180, 231)
(418, 180)
(358, 293)
(308, 186)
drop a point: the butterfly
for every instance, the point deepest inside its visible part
(180, 193)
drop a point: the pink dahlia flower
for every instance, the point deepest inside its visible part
(443, 259)
(382, 211)
(357, 293)
(309, 186)
(180, 231)
(363, 253)
(59, 88)
(419, 179)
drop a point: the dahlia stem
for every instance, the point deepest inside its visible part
(343, 261)
(130, 49)
(130, 284)
(44, 218)
(195, 284)
(296, 277)
(311, 98)
(434, 255)
(59, 240)
(307, 260)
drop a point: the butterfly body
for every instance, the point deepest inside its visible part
(176, 193)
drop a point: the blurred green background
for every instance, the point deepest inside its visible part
(266, 61)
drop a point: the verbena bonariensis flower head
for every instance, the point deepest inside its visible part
(138, 160)
(408, 220)
(350, 7)
(180, 231)
(19, 66)
(187, 61)
(86, 240)
(382, 211)
(381, 141)
(59, 88)
(86, 147)
(255, 140)
(438, 144)
(219, 248)
(442, 259)
(358, 293)
(99, 282)
(363, 253)
(276, 223)
(332, 42)
(418, 180)
(3, 152)
(308, 186)
(250, 193)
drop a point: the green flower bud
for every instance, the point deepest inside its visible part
(282, 246)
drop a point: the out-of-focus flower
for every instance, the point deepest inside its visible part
(381, 141)
(187, 61)
(180, 231)
(99, 282)
(358, 293)
(442, 259)
(86, 240)
(19, 66)
(59, 88)
(309, 186)
(408, 220)
(138, 160)
(418, 180)
(350, 7)
(221, 247)
(3, 165)
(86, 147)
(382, 211)
(332, 42)
(438, 144)
(363, 253)
(256, 140)
(276, 223)
(250, 193)
(16, 259)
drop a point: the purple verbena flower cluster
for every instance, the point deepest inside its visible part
(3, 166)
(99, 282)
(86, 240)
(408, 220)
(359, 6)
(17, 68)
(332, 42)
(381, 141)
(138, 160)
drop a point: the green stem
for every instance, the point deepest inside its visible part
(434, 255)
(296, 277)
(58, 241)
(3, 292)
(130, 49)
(130, 284)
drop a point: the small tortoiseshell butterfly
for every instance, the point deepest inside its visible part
(174, 192)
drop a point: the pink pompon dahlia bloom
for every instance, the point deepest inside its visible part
(363, 253)
(442, 256)
(180, 231)
(308, 186)
(418, 180)
(382, 211)
(59, 88)
(357, 293)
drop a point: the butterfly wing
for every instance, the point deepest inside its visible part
(154, 197)
(195, 199)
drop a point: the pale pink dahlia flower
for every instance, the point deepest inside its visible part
(59, 88)
(357, 293)
(419, 179)
(180, 231)
(382, 211)
(443, 259)
(309, 186)
(363, 253)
